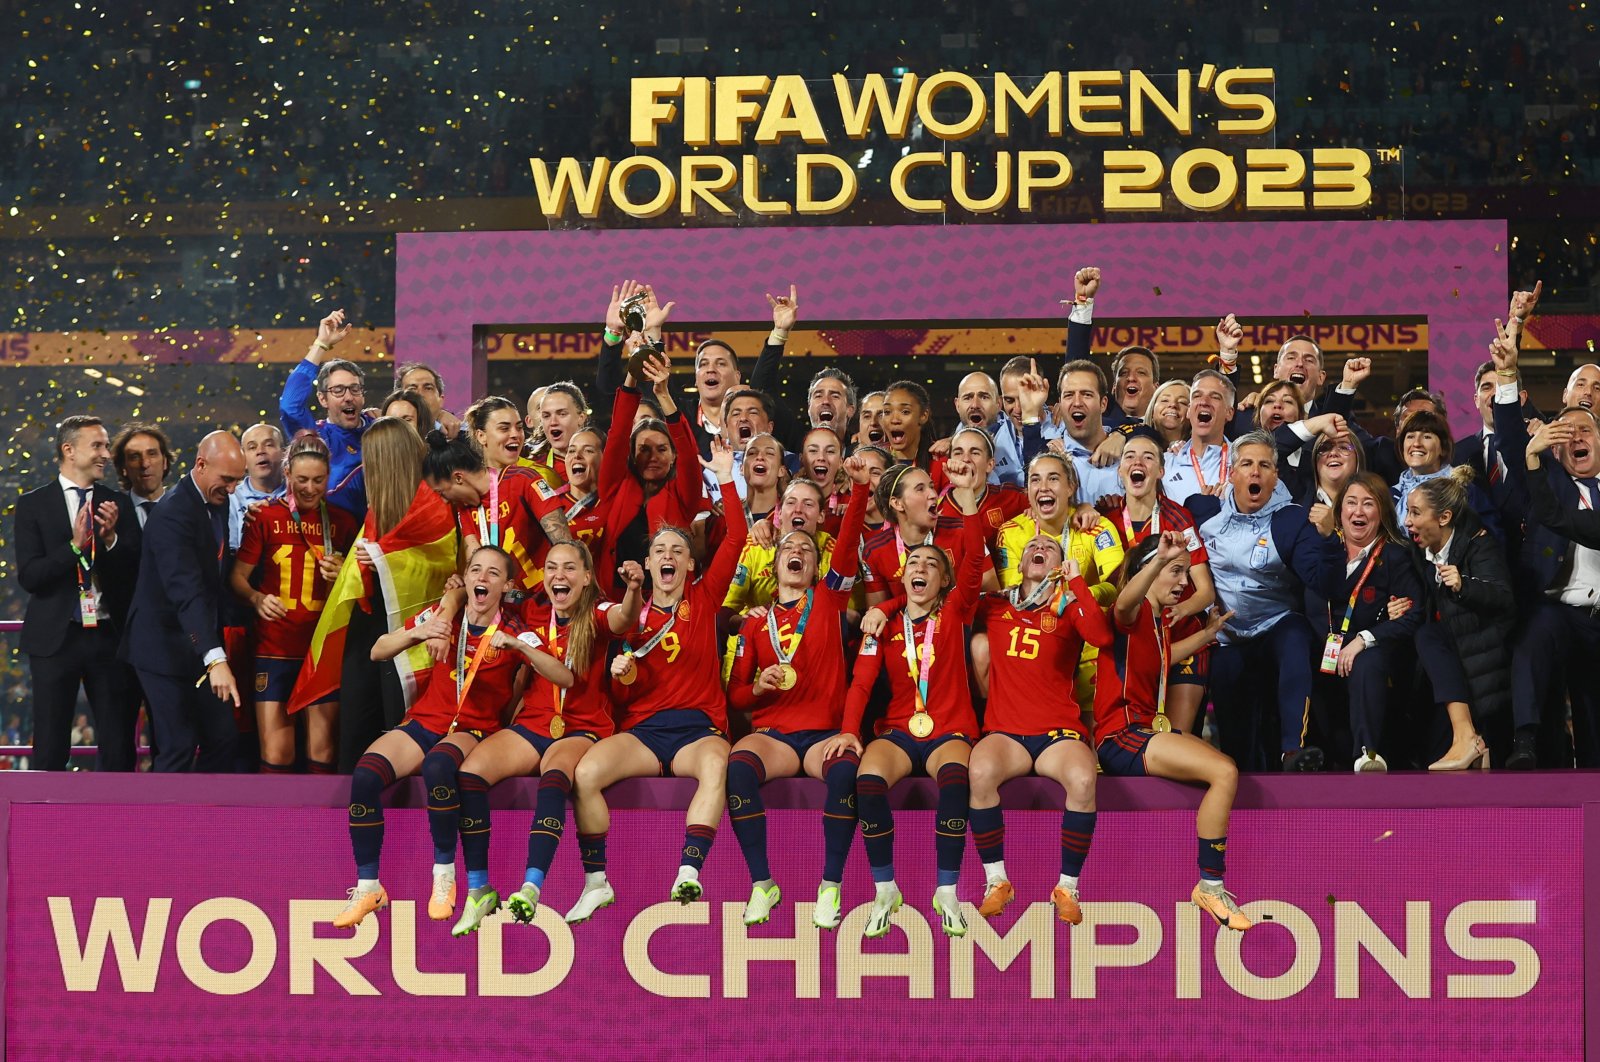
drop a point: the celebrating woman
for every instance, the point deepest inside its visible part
(287, 560)
(789, 671)
(907, 498)
(929, 725)
(1132, 732)
(1168, 413)
(1464, 644)
(561, 414)
(462, 704)
(1370, 626)
(551, 733)
(669, 686)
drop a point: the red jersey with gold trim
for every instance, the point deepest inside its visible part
(284, 546)
(524, 500)
(587, 704)
(816, 701)
(490, 690)
(949, 701)
(999, 504)
(1128, 677)
(885, 553)
(684, 669)
(1170, 516)
(1034, 651)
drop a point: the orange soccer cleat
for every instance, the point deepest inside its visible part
(362, 903)
(442, 904)
(1220, 904)
(1067, 909)
(995, 898)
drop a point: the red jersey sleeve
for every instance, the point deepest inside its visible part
(1088, 618)
(614, 458)
(719, 573)
(970, 566)
(252, 543)
(845, 563)
(741, 681)
(686, 482)
(869, 661)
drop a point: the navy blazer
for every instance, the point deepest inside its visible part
(1543, 553)
(176, 616)
(1392, 576)
(1580, 525)
(48, 569)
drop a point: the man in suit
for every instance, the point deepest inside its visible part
(174, 635)
(77, 556)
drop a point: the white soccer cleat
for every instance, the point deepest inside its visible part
(591, 900)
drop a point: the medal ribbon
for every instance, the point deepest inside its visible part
(566, 658)
(1153, 527)
(582, 504)
(799, 630)
(1164, 650)
(465, 674)
(919, 673)
(644, 618)
(489, 534)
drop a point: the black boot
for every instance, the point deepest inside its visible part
(1308, 758)
(1524, 754)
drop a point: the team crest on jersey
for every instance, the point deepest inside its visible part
(683, 611)
(995, 517)
(1047, 622)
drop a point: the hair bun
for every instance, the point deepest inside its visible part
(437, 440)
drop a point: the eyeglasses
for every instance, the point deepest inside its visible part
(1344, 448)
(340, 390)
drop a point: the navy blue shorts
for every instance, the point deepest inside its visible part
(669, 732)
(919, 751)
(275, 677)
(1123, 752)
(541, 743)
(1037, 743)
(799, 740)
(426, 739)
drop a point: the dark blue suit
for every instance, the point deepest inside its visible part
(1552, 633)
(176, 619)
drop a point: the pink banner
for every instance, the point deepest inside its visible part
(161, 931)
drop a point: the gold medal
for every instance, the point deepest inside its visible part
(921, 725)
(1161, 724)
(627, 677)
(558, 726)
(786, 677)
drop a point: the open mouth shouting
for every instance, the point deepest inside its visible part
(1297, 378)
(897, 440)
(1579, 451)
(577, 469)
(759, 467)
(1358, 522)
(975, 416)
(480, 593)
(795, 565)
(556, 436)
(1047, 503)
(797, 522)
(918, 584)
(745, 432)
(1137, 478)
(560, 593)
(513, 448)
(1203, 416)
(825, 417)
(1254, 489)
(667, 574)
(819, 472)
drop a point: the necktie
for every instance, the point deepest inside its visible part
(83, 497)
(1491, 459)
(1591, 486)
(144, 512)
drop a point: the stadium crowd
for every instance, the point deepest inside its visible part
(1099, 569)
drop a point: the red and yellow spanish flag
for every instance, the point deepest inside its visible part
(411, 564)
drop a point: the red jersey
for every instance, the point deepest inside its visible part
(1169, 516)
(816, 700)
(998, 504)
(490, 689)
(675, 503)
(1035, 650)
(587, 704)
(524, 499)
(684, 669)
(588, 519)
(949, 701)
(283, 547)
(1128, 676)
(885, 553)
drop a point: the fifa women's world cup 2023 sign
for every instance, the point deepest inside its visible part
(927, 116)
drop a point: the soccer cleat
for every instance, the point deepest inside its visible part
(442, 904)
(884, 905)
(995, 898)
(1221, 905)
(686, 889)
(362, 903)
(948, 908)
(1067, 909)
(524, 903)
(1303, 760)
(590, 900)
(1370, 761)
(826, 914)
(759, 907)
(478, 908)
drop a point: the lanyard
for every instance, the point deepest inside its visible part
(919, 672)
(465, 674)
(86, 564)
(644, 618)
(490, 535)
(1152, 526)
(1222, 467)
(1372, 558)
(799, 630)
